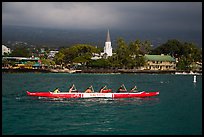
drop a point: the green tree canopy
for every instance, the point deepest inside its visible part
(47, 62)
(178, 49)
(170, 47)
(100, 63)
(20, 52)
(186, 52)
(79, 53)
(59, 57)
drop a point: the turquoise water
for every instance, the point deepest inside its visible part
(177, 110)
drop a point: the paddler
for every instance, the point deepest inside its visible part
(89, 89)
(134, 89)
(56, 90)
(122, 89)
(72, 88)
(102, 88)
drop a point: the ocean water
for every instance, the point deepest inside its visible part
(176, 111)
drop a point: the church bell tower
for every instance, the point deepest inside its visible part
(108, 48)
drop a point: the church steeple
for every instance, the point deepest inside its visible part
(108, 37)
(107, 47)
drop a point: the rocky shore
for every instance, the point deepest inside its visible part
(121, 71)
(24, 70)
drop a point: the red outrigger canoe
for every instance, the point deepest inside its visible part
(140, 94)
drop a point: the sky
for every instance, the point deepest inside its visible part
(168, 16)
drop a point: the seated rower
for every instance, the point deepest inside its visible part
(102, 88)
(72, 89)
(122, 89)
(134, 89)
(57, 90)
(89, 89)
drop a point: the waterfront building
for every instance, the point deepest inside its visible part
(96, 56)
(159, 62)
(22, 62)
(52, 53)
(196, 66)
(5, 50)
(107, 49)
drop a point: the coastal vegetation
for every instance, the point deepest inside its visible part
(130, 55)
(79, 53)
(20, 51)
(187, 53)
(125, 55)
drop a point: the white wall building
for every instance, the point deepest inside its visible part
(96, 56)
(5, 50)
(52, 54)
(107, 47)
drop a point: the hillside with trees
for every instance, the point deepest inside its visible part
(130, 55)
(187, 53)
(125, 55)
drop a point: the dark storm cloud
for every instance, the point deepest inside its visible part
(129, 15)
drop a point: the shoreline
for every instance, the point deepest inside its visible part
(102, 71)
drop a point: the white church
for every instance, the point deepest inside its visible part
(107, 49)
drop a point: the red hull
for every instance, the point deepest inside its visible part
(106, 91)
(92, 95)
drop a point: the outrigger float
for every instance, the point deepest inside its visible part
(140, 94)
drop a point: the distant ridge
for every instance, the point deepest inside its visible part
(67, 37)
